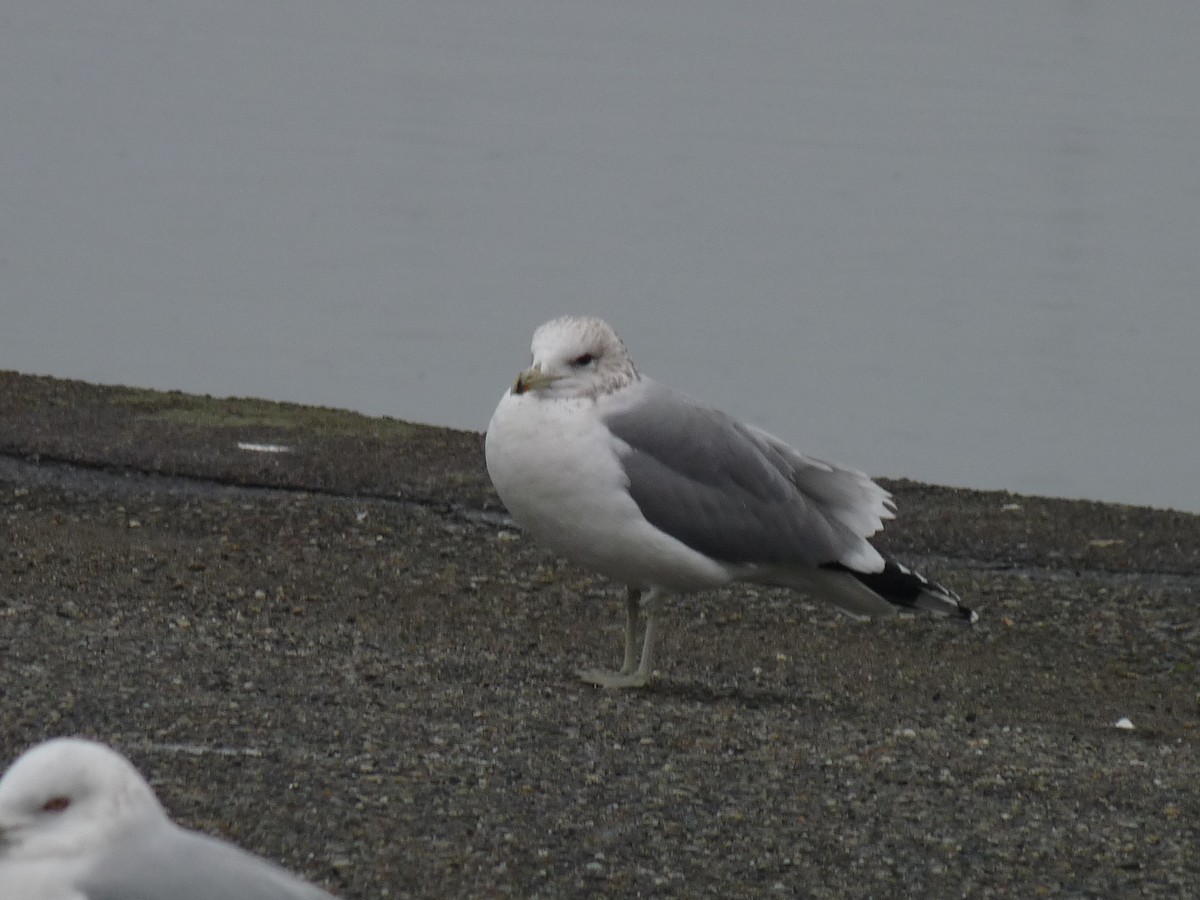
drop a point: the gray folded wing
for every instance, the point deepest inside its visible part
(737, 494)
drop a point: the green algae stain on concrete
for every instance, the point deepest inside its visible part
(239, 412)
(42, 395)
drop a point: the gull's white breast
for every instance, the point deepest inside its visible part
(44, 878)
(557, 468)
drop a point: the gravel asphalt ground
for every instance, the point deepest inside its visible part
(345, 658)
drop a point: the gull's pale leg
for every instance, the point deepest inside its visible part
(633, 605)
(646, 666)
(628, 677)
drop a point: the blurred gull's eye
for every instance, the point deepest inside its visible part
(56, 804)
(584, 360)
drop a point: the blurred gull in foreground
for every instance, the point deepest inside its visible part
(77, 822)
(652, 489)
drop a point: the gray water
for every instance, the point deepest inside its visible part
(956, 241)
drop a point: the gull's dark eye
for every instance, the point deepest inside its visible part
(584, 359)
(56, 804)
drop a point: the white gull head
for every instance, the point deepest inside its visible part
(70, 797)
(576, 356)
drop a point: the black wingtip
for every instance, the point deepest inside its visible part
(900, 586)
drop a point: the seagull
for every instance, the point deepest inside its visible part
(654, 490)
(77, 822)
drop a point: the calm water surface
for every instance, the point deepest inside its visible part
(953, 241)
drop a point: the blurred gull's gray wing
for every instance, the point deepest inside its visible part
(162, 861)
(739, 495)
